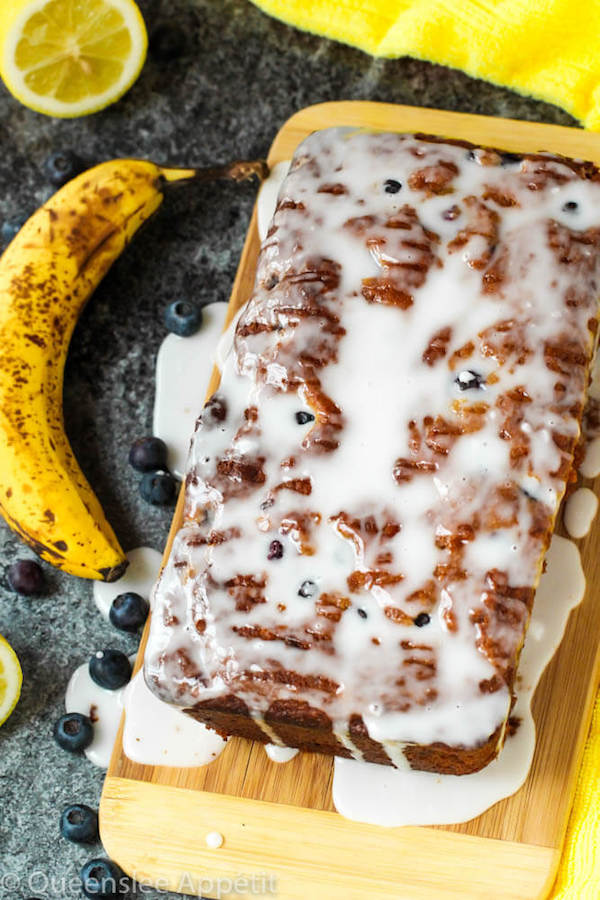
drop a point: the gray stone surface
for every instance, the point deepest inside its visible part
(241, 77)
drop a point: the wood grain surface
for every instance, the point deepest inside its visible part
(271, 813)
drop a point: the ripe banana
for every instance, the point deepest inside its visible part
(47, 274)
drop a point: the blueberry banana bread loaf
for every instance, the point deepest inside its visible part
(371, 491)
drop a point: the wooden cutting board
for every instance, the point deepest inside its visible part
(278, 821)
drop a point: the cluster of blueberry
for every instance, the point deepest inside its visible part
(149, 456)
(128, 611)
(74, 732)
(111, 670)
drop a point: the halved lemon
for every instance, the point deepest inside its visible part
(11, 679)
(69, 58)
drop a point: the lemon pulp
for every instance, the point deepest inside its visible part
(11, 678)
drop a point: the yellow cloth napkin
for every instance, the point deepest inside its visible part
(549, 49)
(579, 872)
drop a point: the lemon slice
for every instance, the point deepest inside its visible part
(70, 57)
(11, 678)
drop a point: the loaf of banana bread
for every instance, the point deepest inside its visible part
(371, 491)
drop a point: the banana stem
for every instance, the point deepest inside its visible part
(239, 170)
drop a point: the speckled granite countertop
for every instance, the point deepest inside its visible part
(241, 77)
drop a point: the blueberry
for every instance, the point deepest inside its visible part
(158, 488)
(79, 824)
(303, 418)
(73, 732)
(391, 186)
(307, 589)
(62, 167)
(362, 613)
(570, 206)
(510, 159)
(183, 317)
(110, 669)
(128, 612)
(422, 619)
(275, 550)
(468, 380)
(529, 495)
(26, 577)
(148, 454)
(453, 212)
(103, 878)
(10, 228)
(167, 42)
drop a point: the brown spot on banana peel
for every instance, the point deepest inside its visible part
(87, 260)
(114, 573)
(49, 554)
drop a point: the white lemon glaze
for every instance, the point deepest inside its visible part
(332, 210)
(383, 796)
(139, 578)
(183, 369)
(579, 512)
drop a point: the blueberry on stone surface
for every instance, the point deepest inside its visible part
(26, 577)
(148, 454)
(422, 619)
(10, 228)
(62, 166)
(391, 186)
(183, 318)
(275, 550)
(110, 669)
(303, 418)
(468, 380)
(129, 611)
(73, 732)
(79, 824)
(570, 206)
(158, 488)
(167, 42)
(103, 878)
(307, 589)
